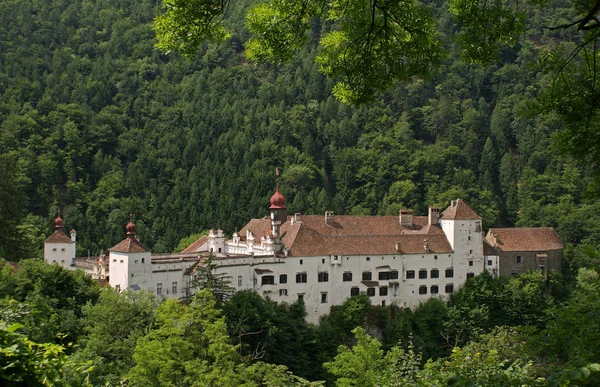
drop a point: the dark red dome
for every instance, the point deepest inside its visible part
(58, 222)
(130, 226)
(277, 200)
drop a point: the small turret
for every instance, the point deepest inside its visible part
(278, 208)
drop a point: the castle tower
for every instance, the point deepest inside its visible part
(462, 227)
(278, 209)
(59, 248)
(130, 265)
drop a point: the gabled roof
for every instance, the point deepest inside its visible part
(196, 245)
(58, 236)
(459, 210)
(488, 249)
(353, 235)
(524, 239)
(129, 245)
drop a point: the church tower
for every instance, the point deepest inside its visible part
(278, 209)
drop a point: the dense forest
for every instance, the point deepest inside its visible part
(96, 121)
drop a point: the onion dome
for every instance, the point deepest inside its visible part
(277, 200)
(130, 227)
(58, 222)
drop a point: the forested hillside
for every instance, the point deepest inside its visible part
(95, 121)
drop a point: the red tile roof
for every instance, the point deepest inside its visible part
(524, 239)
(196, 245)
(353, 235)
(459, 210)
(58, 236)
(129, 245)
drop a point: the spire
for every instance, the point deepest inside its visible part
(130, 227)
(58, 222)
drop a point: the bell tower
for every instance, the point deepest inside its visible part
(278, 208)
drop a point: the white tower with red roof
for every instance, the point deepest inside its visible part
(462, 227)
(59, 248)
(130, 265)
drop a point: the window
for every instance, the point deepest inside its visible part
(301, 278)
(422, 289)
(174, 288)
(347, 276)
(394, 274)
(301, 297)
(323, 298)
(121, 261)
(469, 237)
(283, 292)
(435, 273)
(323, 260)
(143, 260)
(490, 262)
(435, 257)
(131, 274)
(354, 291)
(383, 291)
(410, 274)
(301, 261)
(118, 288)
(450, 288)
(239, 280)
(434, 289)
(470, 263)
(470, 251)
(366, 276)
(159, 288)
(283, 278)
(219, 249)
(470, 275)
(519, 259)
(449, 273)
(267, 280)
(423, 274)
(54, 249)
(368, 259)
(323, 276)
(384, 275)
(383, 303)
(62, 249)
(370, 292)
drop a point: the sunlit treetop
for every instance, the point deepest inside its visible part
(371, 44)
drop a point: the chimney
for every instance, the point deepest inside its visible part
(329, 217)
(434, 215)
(406, 218)
(296, 218)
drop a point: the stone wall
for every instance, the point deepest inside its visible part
(533, 260)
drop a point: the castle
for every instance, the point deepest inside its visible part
(323, 260)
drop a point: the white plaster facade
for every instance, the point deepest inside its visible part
(322, 260)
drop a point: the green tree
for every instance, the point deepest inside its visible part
(112, 327)
(24, 362)
(362, 48)
(190, 347)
